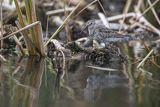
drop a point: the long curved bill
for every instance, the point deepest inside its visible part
(83, 28)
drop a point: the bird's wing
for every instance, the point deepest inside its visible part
(105, 33)
(108, 35)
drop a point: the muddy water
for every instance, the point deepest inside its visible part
(32, 82)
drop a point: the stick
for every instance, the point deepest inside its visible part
(52, 12)
(142, 62)
(20, 30)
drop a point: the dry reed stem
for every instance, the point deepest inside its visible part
(151, 6)
(145, 72)
(19, 45)
(103, 18)
(138, 6)
(154, 12)
(62, 25)
(53, 12)
(104, 69)
(140, 17)
(147, 23)
(29, 40)
(47, 26)
(85, 8)
(40, 39)
(142, 62)
(26, 38)
(118, 17)
(29, 46)
(20, 30)
(125, 11)
(2, 58)
(16, 70)
(36, 32)
(101, 7)
(1, 24)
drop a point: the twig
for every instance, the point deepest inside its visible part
(1, 23)
(52, 12)
(151, 6)
(19, 27)
(49, 4)
(85, 8)
(117, 17)
(103, 18)
(62, 25)
(145, 72)
(139, 4)
(154, 12)
(143, 19)
(2, 58)
(126, 9)
(142, 62)
(19, 44)
(16, 70)
(132, 14)
(47, 26)
(102, 7)
(104, 69)
(140, 17)
(127, 6)
(20, 30)
(26, 38)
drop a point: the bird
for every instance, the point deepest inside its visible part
(99, 32)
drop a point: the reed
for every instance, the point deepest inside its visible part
(63, 24)
(1, 24)
(34, 36)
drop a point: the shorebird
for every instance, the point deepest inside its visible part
(99, 32)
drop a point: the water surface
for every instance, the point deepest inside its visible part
(33, 82)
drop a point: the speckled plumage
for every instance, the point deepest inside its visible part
(99, 32)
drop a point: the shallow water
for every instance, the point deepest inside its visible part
(32, 82)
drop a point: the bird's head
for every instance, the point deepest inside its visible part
(87, 24)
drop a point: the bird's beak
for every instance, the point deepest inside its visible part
(83, 28)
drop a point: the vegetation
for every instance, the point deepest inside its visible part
(60, 65)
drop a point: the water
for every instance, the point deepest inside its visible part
(32, 82)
